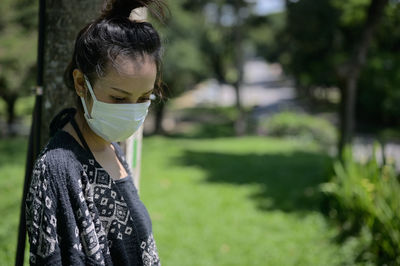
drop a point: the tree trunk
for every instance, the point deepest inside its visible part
(64, 19)
(347, 112)
(240, 124)
(351, 72)
(10, 102)
(159, 113)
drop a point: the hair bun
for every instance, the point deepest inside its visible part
(123, 8)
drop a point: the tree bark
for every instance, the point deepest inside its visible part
(64, 19)
(10, 100)
(240, 123)
(351, 72)
(159, 114)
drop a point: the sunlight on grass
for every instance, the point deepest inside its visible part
(206, 199)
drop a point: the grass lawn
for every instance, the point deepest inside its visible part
(12, 171)
(221, 201)
(237, 201)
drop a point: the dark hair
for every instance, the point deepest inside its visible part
(114, 34)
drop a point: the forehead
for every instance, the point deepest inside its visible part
(124, 70)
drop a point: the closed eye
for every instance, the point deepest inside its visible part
(146, 97)
(143, 99)
(118, 99)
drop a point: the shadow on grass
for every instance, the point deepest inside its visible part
(288, 182)
(206, 130)
(206, 122)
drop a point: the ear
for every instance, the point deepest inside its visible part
(79, 82)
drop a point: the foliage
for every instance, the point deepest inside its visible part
(218, 38)
(315, 54)
(183, 60)
(263, 33)
(23, 107)
(18, 21)
(365, 200)
(183, 64)
(379, 94)
(303, 126)
(17, 43)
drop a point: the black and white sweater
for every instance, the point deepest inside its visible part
(76, 214)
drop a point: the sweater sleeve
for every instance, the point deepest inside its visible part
(41, 218)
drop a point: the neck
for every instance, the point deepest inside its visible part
(94, 141)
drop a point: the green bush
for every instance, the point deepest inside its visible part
(365, 200)
(289, 124)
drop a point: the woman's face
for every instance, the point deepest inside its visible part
(132, 82)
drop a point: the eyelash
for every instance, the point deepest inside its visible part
(117, 99)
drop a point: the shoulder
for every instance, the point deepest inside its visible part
(56, 168)
(59, 158)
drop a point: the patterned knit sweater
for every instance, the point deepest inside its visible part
(76, 214)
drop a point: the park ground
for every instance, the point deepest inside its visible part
(215, 201)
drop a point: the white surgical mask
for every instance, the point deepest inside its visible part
(114, 122)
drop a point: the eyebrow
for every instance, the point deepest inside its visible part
(128, 93)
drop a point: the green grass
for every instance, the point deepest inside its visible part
(226, 201)
(237, 201)
(12, 171)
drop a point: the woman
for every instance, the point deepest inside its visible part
(82, 207)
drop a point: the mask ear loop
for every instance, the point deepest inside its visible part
(89, 87)
(93, 97)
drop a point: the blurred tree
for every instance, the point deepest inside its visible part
(18, 23)
(379, 97)
(224, 41)
(309, 39)
(350, 71)
(207, 38)
(264, 31)
(183, 62)
(327, 43)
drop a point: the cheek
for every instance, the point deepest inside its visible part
(89, 106)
